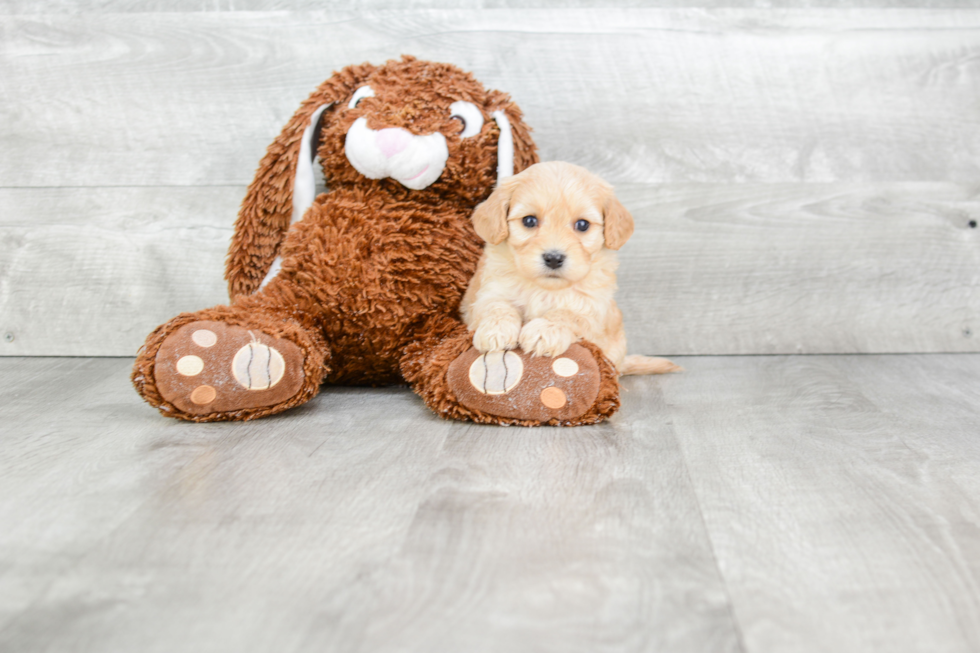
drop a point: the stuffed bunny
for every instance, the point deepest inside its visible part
(362, 284)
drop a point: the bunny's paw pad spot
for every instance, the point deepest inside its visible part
(516, 385)
(210, 367)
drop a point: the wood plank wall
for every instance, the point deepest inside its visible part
(804, 180)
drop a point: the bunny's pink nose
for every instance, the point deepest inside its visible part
(392, 140)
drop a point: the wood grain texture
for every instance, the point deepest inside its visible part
(91, 271)
(842, 496)
(358, 522)
(761, 504)
(840, 147)
(33, 7)
(711, 269)
(801, 268)
(658, 95)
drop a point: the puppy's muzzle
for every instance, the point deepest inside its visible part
(553, 260)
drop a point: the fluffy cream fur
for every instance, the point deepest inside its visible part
(517, 299)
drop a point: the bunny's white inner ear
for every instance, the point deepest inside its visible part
(271, 274)
(304, 183)
(505, 147)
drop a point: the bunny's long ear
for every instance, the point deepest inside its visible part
(284, 185)
(515, 149)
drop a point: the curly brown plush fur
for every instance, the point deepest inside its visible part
(373, 275)
(411, 94)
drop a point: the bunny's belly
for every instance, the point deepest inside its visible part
(374, 272)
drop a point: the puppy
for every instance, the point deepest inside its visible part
(548, 272)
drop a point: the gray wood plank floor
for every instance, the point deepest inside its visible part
(756, 504)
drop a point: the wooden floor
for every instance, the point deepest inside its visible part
(757, 504)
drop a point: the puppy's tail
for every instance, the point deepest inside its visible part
(647, 365)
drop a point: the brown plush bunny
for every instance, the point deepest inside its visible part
(362, 285)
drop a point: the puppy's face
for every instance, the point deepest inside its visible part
(554, 228)
(555, 218)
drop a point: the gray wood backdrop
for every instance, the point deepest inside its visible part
(804, 179)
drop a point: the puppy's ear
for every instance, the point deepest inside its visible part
(490, 216)
(617, 223)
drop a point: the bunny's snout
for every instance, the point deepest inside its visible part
(414, 161)
(392, 141)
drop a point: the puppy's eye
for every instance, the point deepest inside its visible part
(582, 225)
(360, 94)
(530, 221)
(469, 115)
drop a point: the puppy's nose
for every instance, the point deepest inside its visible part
(553, 259)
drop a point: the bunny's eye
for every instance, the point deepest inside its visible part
(360, 94)
(469, 115)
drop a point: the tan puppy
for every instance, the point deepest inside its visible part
(548, 272)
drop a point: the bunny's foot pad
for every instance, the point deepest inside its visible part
(211, 367)
(516, 385)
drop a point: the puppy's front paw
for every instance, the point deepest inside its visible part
(494, 335)
(539, 337)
